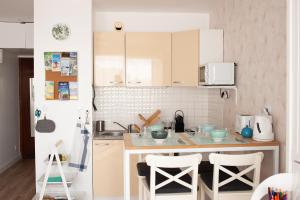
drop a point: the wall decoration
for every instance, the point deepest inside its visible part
(61, 31)
(61, 75)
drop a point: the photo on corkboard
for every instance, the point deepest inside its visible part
(61, 70)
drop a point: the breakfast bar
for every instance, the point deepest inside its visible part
(190, 143)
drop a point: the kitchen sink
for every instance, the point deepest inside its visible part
(112, 133)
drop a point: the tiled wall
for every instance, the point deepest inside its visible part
(124, 104)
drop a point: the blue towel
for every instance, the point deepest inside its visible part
(80, 155)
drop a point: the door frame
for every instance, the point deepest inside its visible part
(20, 104)
(293, 82)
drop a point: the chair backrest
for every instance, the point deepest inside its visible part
(282, 181)
(157, 163)
(252, 161)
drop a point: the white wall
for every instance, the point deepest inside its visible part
(78, 15)
(9, 110)
(150, 22)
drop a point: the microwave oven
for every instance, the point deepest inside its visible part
(216, 74)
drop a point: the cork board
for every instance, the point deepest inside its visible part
(61, 75)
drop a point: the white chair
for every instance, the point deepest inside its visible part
(227, 182)
(283, 181)
(170, 179)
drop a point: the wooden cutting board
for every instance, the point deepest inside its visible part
(151, 120)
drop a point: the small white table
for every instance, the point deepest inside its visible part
(183, 143)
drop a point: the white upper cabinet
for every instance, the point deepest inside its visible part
(16, 35)
(12, 35)
(211, 46)
(29, 35)
(109, 59)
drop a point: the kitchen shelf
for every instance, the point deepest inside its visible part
(56, 163)
(218, 87)
(69, 180)
(221, 88)
(61, 195)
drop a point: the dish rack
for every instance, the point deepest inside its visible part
(64, 180)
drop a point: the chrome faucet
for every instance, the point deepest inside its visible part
(126, 129)
(130, 128)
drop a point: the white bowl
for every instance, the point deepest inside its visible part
(159, 141)
(218, 139)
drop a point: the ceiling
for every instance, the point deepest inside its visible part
(16, 10)
(22, 10)
(154, 5)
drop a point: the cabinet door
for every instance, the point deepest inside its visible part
(109, 59)
(148, 59)
(29, 38)
(185, 58)
(108, 170)
(211, 46)
(12, 35)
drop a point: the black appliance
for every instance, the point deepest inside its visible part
(179, 121)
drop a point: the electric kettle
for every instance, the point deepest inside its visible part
(179, 121)
(263, 128)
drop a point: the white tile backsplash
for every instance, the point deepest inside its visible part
(123, 104)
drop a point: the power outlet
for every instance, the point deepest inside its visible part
(15, 148)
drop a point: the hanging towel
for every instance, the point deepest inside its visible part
(80, 155)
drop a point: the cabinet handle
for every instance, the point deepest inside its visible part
(136, 82)
(115, 82)
(102, 144)
(177, 82)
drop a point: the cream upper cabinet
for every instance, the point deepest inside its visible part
(148, 59)
(211, 46)
(185, 58)
(109, 59)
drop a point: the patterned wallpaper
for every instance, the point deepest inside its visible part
(255, 38)
(123, 105)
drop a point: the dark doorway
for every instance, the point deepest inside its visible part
(26, 140)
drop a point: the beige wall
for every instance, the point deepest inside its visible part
(255, 38)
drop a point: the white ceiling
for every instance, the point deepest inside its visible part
(154, 5)
(22, 10)
(16, 10)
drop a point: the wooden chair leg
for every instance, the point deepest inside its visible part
(202, 193)
(140, 188)
(144, 194)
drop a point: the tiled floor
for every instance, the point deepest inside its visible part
(18, 182)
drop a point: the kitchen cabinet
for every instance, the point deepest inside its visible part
(12, 35)
(109, 59)
(108, 170)
(211, 46)
(185, 58)
(191, 49)
(148, 59)
(29, 36)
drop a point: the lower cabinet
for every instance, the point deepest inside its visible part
(108, 170)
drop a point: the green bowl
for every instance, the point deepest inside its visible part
(159, 134)
(156, 127)
(218, 134)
